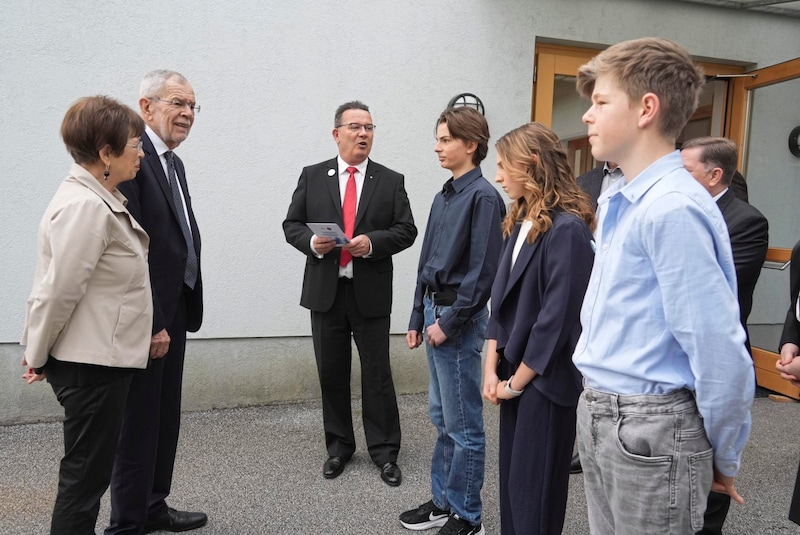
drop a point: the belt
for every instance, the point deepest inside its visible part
(443, 298)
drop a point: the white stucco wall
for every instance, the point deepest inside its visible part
(269, 76)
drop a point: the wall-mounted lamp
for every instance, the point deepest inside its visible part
(467, 99)
(794, 142)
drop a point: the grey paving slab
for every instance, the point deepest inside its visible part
(258, 470)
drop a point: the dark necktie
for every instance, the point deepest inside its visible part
(349, 212)
(190, 276)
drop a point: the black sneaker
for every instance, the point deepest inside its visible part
(426, 516)
(457, 526)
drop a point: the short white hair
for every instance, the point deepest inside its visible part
(154, 81)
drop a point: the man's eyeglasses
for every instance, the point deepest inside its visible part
(356, 127)
(138, 146)
(179, 104)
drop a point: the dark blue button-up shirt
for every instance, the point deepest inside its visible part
(461, 249)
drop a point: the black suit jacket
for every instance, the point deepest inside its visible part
(384, 215)
(536, 305)
(791, 327)
(749, 232)
(150, 202)
(591, 182)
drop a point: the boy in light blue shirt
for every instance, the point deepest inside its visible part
(665, 413)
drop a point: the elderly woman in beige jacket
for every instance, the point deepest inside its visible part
(90, 313)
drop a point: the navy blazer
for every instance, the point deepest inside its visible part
(536, 305)
(384, 215)
(150, 202)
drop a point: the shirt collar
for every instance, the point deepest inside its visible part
(463, 181)
(158, 144)
(635, 189)
(362, 167)
(719, 195)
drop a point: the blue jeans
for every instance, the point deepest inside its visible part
(647, 462)
(456, 410)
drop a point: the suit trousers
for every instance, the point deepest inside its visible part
(143, 467)
(536, 441)
(794, 508)
(92, 420)
(716, 512)
(331, 331)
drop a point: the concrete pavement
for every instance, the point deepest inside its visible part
(258, 470)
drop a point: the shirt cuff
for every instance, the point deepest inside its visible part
(311, 244)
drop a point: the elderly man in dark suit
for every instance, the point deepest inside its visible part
(789, 363)
(159, 200)
(349, 288)
(712, 162)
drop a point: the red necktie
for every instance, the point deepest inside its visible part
(349, 213)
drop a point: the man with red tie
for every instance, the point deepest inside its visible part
(348, 288)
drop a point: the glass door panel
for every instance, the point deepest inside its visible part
(773, 180)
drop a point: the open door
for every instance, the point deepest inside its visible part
(765, 108)
(556, 102)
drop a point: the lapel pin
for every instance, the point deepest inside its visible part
(331, 172)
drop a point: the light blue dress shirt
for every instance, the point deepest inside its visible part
(661, 311)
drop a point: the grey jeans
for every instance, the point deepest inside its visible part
(647, 462)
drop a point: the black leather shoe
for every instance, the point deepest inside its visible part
(174, 520)
(391, 474)
(575, 465)
(333, 467)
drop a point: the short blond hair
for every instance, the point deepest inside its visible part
(650, 65)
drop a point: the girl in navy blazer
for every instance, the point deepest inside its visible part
(536, 300)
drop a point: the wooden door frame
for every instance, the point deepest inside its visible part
(738, 121)
(740, 98)
(551, 60)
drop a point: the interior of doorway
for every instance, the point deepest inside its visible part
(557, 104)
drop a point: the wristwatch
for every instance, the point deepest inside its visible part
(510, 391)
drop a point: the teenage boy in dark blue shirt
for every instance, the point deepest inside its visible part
(454, 280)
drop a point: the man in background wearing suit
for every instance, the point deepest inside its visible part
(597, 180)
(349, 288)
(712, 162)
(789, 363)
(593, 183)
(159, 200)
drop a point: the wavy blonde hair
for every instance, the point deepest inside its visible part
(533, 154)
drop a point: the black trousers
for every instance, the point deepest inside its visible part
(142, 475)
(93, 414)
(794, 509)
(331, 333)
(536, 441)
(716, 512)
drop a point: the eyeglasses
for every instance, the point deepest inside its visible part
(138, 146)
(356, 127)
(179, 104)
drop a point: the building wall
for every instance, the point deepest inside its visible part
(269, 76)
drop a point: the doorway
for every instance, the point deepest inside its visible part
(756, 109)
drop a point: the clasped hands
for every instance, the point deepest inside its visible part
(789, 365)
(359, 246)
(494, 390)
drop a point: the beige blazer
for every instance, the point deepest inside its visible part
(91, 301)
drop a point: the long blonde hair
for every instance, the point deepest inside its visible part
(534, 156)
